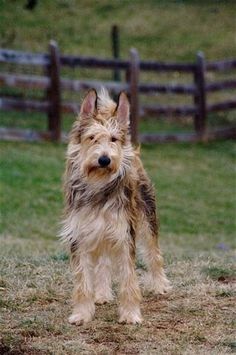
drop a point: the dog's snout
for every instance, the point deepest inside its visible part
(104, 161)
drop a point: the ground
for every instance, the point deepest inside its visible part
(195, 186)
(195, 318)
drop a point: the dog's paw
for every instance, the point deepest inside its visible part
(157, 284)
(161, 286)
(131, 317)
(102, 299)
(82, 313)
(78, 318)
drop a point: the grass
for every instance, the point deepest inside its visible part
(195, 187)
(160, 31)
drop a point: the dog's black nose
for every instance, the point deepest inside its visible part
(104, 161)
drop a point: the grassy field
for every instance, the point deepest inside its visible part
(171, 30)
(195, 186)
(159, 29)
(196, 194)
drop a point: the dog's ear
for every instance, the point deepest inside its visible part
(89, 103)
(122, 110)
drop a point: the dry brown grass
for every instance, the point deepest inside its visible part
(196, 317)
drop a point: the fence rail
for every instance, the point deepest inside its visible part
(9, 104)
(53, 84)
(19, 57)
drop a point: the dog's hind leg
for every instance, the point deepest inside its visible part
(83, 295)
(102, 280)
(147, 241)
(154, 279)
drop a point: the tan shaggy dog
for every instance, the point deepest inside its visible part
(110, 211)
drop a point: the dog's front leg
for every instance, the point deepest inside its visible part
(83, 295)
(102, 281)
(129, 295)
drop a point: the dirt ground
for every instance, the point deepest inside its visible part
(196, 317)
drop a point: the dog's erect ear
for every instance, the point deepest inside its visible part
(122, 111)
(89, 103)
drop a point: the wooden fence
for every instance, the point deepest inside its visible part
(53, 84)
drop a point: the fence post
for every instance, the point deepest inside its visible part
(115, 49)
(134, 94)
(54, 92)
(200, 96)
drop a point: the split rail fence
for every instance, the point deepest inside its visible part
(53, 84)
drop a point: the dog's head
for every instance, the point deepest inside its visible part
(100, 140)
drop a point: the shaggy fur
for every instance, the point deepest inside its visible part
(110, 211)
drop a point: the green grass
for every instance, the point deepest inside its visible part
(27, 175)
(189, 203)
(38, 122)
(159, 29)
(218, 273)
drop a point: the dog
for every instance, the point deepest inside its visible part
(110, 211)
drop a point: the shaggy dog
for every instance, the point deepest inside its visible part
(110, 211)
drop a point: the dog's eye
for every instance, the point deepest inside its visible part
(114, 139)
(91, 138)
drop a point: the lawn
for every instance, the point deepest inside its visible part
(195, 186)
(196, 199)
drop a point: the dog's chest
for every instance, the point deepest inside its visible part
(106, 223)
